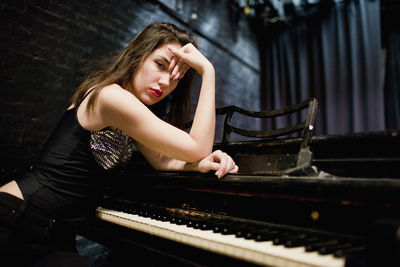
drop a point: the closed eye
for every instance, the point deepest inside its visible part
(160, 65)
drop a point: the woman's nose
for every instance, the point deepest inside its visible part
(165, 79)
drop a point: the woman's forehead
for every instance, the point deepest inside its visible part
(164, 52)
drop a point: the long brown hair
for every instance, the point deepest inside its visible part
(175, 108)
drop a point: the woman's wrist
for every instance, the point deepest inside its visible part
(188, 166)
(207, 69)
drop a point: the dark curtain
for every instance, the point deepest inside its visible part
(391, 41)
(392, 81)
(333, 54)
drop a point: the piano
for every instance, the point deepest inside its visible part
(297, 201)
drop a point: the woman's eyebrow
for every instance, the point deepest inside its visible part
(165, 59)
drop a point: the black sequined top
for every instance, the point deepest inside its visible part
(67, 179)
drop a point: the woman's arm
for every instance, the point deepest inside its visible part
(121, 109)
(217, 161)
(203, 126)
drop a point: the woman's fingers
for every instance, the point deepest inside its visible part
(231, 167)
(222, 166)
(235, 169)
(177, 68)
(227, 165)
(172, 65)
(191, 56)
(220, 162)
(177, 52)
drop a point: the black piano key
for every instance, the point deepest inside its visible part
(126, 210)
(200, 223)
(250, 235)
(147, 214)
(226, 228)
(178, 220)
(194, 222)
(190, 223)
(206, 225)
(315, 246)
(288, 236)
(266, 235)
(240, 233)
(135, 211)
(218, 227)
(331, 249)
(282, 238)
(132, 211)
(250, 232)
(163, 218)
(154, 215)
(241, 230)
(298, 242)
(246, 231)
(346, 251)
(197, 225)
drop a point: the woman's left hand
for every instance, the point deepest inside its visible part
(187, 57)
(218, 161)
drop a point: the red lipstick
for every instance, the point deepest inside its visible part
(156, 92)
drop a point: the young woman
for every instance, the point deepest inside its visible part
(142, 99)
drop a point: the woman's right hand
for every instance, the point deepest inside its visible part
(188, 57)
(218, 161)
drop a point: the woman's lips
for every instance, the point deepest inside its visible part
(156, 92)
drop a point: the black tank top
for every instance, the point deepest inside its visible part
(66, 181)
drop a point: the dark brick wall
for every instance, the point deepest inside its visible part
(46, 46)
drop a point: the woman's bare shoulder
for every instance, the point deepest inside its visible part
(111, 90)
(115, 102)
(113, 93)
(92, 119)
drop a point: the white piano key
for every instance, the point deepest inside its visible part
(263, 253)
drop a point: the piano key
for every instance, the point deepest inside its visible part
(332, 249)
(195, 222)
(266, 235)
(287, 236)
(261, 252)
(346, 251)
(228, 230)
(161, 217)
(301, 242)
(178, 220)
(246, 232)
(318, 245)
(260, 234)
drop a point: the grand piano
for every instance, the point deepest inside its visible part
(298, 200)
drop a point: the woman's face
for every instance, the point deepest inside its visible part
(152, 82)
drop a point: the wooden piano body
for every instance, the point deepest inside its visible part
(342, 208)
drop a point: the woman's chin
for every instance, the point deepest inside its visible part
(150, 102)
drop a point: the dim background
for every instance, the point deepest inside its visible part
(267, 55)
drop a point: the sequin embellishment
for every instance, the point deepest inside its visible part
(110, 147)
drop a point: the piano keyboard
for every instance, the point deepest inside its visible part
(259, 252)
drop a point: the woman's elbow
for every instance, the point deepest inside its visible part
(199, 154)
(158, 167)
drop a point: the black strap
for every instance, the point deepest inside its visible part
(86, 94)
